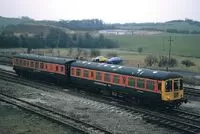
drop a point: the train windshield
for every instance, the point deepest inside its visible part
(176, 85)
(168, 86)
(181, 84)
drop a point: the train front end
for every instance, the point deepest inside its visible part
(173, 92)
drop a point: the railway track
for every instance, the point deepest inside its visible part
(51, 113)
(192, 91)
(183, 121)
(178, 119)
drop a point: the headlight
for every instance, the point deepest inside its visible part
(168, 98)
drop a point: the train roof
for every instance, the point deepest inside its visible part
(48, 59)
(134, 71)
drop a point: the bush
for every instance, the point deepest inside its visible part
(173, 62)
(150, 60)
(164, 61)
(187, 63)
(140, 49)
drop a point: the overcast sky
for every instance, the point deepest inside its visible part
(110, 11)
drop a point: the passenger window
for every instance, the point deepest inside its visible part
(150, 85)
(20, 62)
(140, 83)
(42, 65)
(92, 74)
(57, 68)
(78, 72)
(46, 66)
(107, 77)
(116, 79)
(27, 63)
(168, 86)
(32, 64)
(131, 81)
(85, 73)
(16, 61)
(61, 69)
(98, 76)
(72, 71)
(123, 80)
(36, 64)
(24, 62)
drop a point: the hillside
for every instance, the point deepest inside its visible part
(14, 21)
(182, 25)
(174, 26)
(32, 29)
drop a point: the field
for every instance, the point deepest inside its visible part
(182, 45)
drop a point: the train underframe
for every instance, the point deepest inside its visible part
(174, 103)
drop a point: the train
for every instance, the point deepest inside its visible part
(129, 83)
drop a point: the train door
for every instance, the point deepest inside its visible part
(167, 90)
(68, 71)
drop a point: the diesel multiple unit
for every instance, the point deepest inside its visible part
(130, 83)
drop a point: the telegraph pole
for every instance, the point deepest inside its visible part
(170, 45)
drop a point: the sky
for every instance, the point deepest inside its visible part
(110, 11)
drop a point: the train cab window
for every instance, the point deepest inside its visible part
(78, 72)
(32, 64)
(131, 81)
(116, 79)
(85, 73)
(181, 84)
(98, 76)
(176, 85)
(168, 85)
(57, 68)
(107, 77)
(140, 83)
(150, 85)
(61, 69)
(42, 65)
(36, 64)
(72, 71)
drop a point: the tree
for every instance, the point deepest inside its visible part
(150, 60)
(140, 49)
(187, 63)
(163, 61)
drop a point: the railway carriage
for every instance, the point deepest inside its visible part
(130, 83)
(42, 67)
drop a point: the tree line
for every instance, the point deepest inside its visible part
(55, 38)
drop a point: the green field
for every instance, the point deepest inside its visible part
(182, 45)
